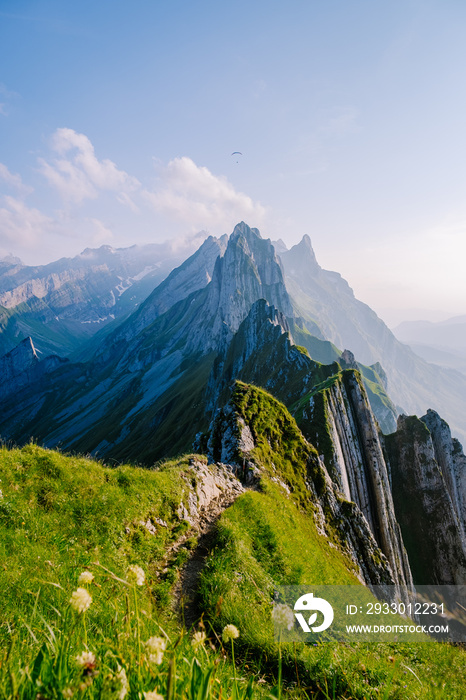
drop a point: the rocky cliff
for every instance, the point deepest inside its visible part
(427, 470)
(336, 417)
(256, 435)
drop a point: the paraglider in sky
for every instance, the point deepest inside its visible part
(237, 153)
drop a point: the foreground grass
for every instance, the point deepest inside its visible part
(62, 516)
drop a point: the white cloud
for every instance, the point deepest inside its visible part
(193, 195)
(13, 180)
(78, 175)
(22, 225)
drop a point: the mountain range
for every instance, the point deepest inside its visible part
(236, 335)
(64, 303)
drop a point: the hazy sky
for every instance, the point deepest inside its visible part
(118, 121)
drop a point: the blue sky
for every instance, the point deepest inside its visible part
(118, 120)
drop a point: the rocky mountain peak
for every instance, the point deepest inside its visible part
(248, 271)
(301, 257)
(429, 493)
(347, 360)
(242, 229)
(95, 252)
(10, 260)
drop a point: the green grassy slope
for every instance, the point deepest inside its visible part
(61, 515)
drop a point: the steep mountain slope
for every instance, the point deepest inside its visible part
(211, 356)
(191, 276)
(65, 302)
(256, 433)
(22, 367)
(126, 388)
(324, 298)
(438, 356)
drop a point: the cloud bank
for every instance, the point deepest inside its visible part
(195, 196)
(79, 196)
(77, 173)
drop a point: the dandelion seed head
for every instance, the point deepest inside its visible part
(80, 600)
(198, 639)
(85, 577)
(230, 632)
(155, 647)
(136, 575)
(283, 616)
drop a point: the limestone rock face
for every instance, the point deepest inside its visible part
(249, 270)
(427, 477)
(347, 360)
(339, 422)
(263, 333)
(231, 442)
(215, 486)
(452, 463)
(194, 274)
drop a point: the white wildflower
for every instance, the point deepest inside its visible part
(80, 600)
(124, 685)
(86, 577)
(155, 647)
(86, 659)
(283, 616)
(230, 632)
(136, 575)
(153, 695)
(198, 639)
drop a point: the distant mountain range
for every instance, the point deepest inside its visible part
(64, 303)
(443, 343)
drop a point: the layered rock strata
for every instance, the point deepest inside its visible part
(381, 561)
(427, 470)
